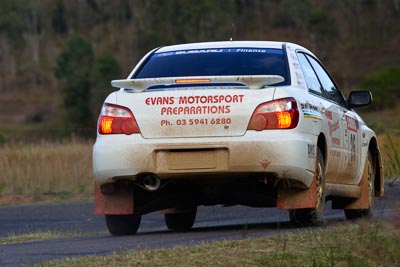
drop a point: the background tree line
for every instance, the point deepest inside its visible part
(41, 41)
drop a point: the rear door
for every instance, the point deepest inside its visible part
(350, 134)
(331, 118)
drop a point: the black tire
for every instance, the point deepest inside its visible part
(123, 224)
(313, 216)
(369, 173)
(180, 221)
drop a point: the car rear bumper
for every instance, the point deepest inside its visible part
(286, 154)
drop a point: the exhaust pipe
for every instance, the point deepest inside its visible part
(151, 182)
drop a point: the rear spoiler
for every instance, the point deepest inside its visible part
(251, 81)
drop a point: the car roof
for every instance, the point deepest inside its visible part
(228, 44)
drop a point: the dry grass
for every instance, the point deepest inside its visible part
(51, 171)
(383, 121)
(46, 235)
(38, 236)
(45, 171)
(389, 145)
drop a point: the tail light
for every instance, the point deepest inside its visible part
(117, 120)
(278, 114)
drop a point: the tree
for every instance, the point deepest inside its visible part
(12, 22)
(105, 69)
(384, 86)
(73, 69)
(58, 17)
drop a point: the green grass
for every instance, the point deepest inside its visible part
(367, 244)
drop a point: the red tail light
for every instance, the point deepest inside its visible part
(117, 120)
(278, 114)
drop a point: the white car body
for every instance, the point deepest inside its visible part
(202, 132)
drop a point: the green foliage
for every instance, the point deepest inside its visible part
(74, 67)
(85, 80)
(58, 17)
(322, 24)
(344, 34)
(3, 139)
(384, 85)
(12, 22)
(292, 13)
(105, 69)
(180, 21)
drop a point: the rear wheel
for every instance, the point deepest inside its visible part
(123, 224)
(313, 216)
(369, 174)
(181, 221)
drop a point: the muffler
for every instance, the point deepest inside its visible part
(151, 182)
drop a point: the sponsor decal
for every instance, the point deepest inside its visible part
(333, 127)
(352, 124)
(335, 153)
(264, 163)
(311, 151)
(195, 105)
(204, 99)
(310, 114)
(309, 106)
(192, 122)
(335, 141)
(352, 148)
(195, 110)
(328, 115)
(169, 100)
(299, 75)
(310, 111)
(301, 83)
(296, 65)
(293, 56)
(222, 50)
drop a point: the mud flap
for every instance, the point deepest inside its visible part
(175, 210)
(294, 198)
(379, 176)
(362, 202)
(120, 202)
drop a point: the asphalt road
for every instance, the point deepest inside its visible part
(212, 223)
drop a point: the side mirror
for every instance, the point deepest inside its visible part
(359, 99)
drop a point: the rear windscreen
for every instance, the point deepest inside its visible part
(216, 62)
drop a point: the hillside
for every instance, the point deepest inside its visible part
(353, 38)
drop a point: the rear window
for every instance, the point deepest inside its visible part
(216, 62)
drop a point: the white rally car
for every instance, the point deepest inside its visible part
(261, 124)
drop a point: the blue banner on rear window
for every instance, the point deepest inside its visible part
(221, 50)
(216, 62)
